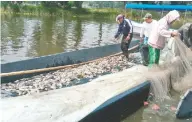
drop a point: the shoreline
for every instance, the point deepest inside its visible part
(110, 13)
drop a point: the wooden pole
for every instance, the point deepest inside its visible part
(58, 67)
(162, 13)
(141, 16)
(184, 16)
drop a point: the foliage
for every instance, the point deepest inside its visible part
(5, 4)
(78, 4)
(65, 8)
(50, 6)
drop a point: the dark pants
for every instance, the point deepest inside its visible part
(144, 50)
(125, 46)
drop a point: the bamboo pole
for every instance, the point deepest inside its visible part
(58, 67)
(184, 16)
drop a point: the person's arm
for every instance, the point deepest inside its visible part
(130, 31)
(129, 24)
(164, 32)
(120, 29)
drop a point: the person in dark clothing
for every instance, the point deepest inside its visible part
(186, 34)
(125, 28)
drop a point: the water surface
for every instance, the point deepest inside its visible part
(24, 37)
(164, 114)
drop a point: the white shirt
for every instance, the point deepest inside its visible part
(146, 28)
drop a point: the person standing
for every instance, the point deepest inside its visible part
(125, 28)
(160, 31)
(186, 34)
(144, 35)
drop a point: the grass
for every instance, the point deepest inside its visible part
(39, 10)
(135, 15)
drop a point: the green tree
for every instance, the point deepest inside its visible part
(5, 4)
(78, 4)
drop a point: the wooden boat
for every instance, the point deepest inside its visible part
(60, 59)
(120, 106)
(113, 99)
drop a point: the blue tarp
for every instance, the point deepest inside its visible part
(159, 7)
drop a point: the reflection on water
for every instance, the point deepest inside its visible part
(24, 37)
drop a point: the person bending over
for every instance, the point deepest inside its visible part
(159, 33)
(125, 28)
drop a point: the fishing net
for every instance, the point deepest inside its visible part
(169, 81)
(174, 73)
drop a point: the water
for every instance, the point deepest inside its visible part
(165, 114)
(24, 37)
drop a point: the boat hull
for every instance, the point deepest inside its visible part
(120, 106)
(184, 109)
(59, 59)
(104, 99)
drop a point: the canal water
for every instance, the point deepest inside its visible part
(166, 112)
(24, 37)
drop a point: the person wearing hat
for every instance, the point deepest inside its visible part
(125, 28)
(160, 31)
(144, 35)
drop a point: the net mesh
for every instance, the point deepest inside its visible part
(174, 73)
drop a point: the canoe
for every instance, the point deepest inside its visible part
(184, 109)
(120, 106)
(60, 59)
(105, 99)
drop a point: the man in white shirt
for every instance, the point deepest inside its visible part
(144, 34)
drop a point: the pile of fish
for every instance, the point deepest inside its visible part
(68, 77)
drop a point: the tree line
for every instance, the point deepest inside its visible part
(17, 6)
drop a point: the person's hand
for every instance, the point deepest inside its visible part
(127, 38)
(141, 40)
(174, 33)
